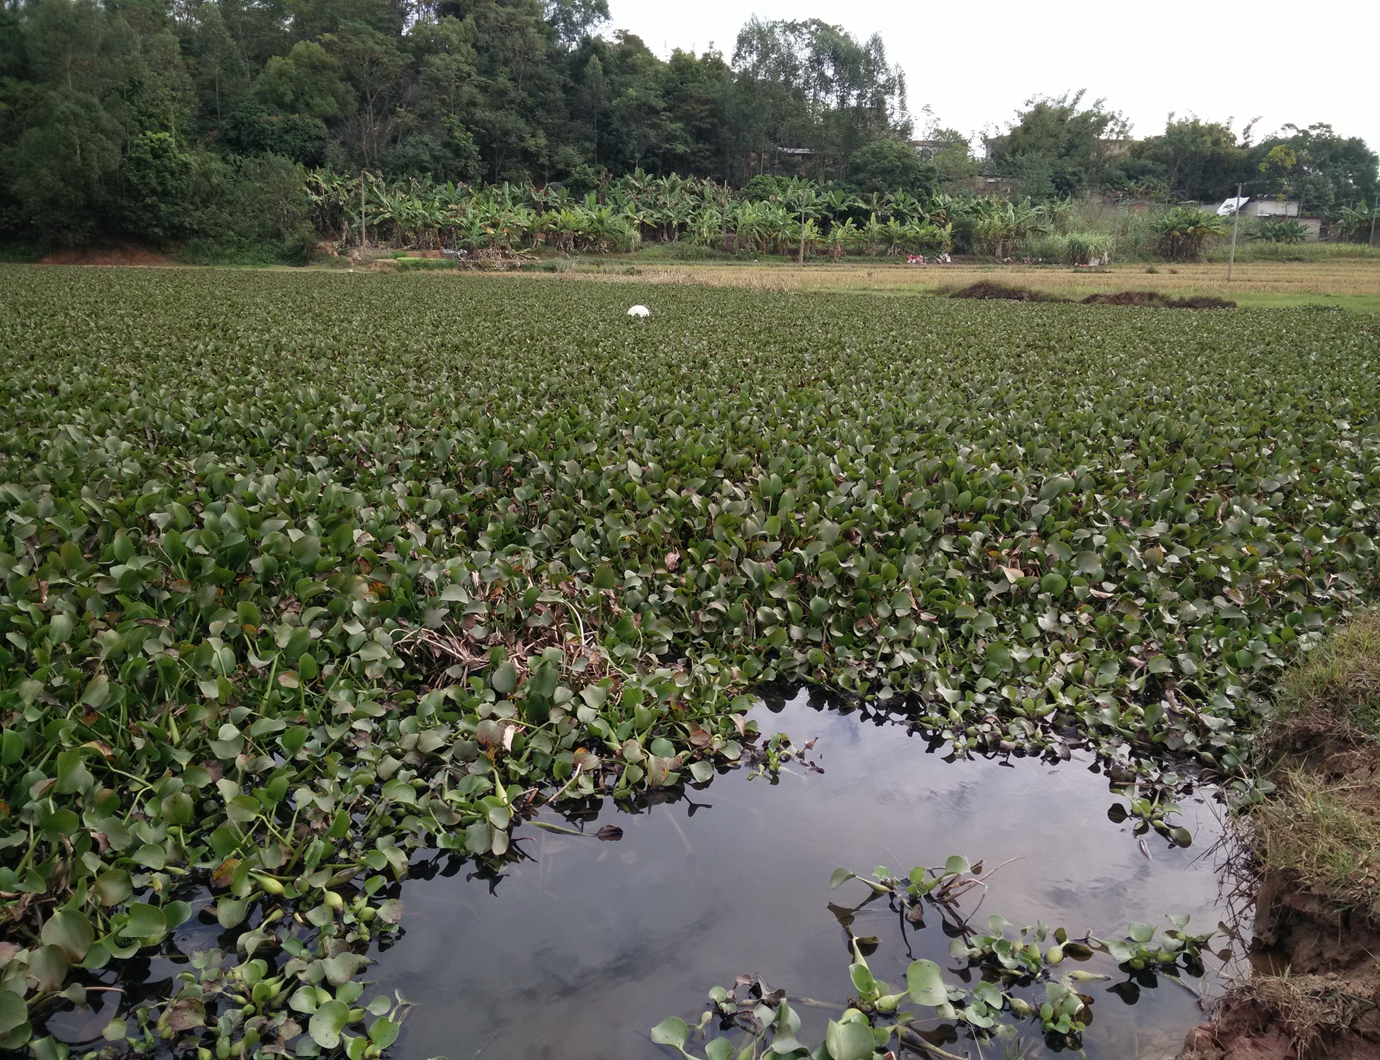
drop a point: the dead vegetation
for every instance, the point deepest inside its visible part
(1154, 299)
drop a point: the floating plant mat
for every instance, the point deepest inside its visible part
(578, 952)
(305, 575)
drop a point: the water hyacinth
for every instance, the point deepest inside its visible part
(305, 573)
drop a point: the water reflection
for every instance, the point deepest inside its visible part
(576, 952)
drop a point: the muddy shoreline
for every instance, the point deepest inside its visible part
(1315, 991)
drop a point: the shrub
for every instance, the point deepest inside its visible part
(1087, 248)
(1181, 232)
(1278, 230)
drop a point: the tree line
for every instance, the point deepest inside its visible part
(201, 120)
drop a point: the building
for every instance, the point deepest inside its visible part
(1276, 209)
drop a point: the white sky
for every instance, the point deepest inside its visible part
(975, 64)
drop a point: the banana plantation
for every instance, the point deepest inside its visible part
(797, 218)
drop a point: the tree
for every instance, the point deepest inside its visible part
(955, 167)
(812, 87)
(307, 81)
(575, 20)
(1193, 159)
(890, 165)
(1315, 165)
(218, 71)
(1056, 148)
(374, 67)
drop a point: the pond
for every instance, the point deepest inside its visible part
(579, 951)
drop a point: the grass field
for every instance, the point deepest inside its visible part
(305, 571)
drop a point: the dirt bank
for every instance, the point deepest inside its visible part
(1316, 991)
(126, 254)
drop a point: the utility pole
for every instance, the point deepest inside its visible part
(1374, 210)
(1235, 218)
(364, 232)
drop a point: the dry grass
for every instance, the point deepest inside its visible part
(1270, 281)
(1313, 1009)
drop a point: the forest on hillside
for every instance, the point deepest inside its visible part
(155, 120)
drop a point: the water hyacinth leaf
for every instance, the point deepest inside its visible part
(243, 809)
(383, 1032)
(48, 965)
(505, 679)
(327, 1023)
(230, 912)
(849, 1041)
(117, 1030)
(925, 983)
(719, 1049)
(671, 1031)
(342, 967)
(1141, 932)
(863, 982)
(72, 774)
(13, 1012)
(146, 923)
(1119, 951)
(70, 931)
(304, 1000)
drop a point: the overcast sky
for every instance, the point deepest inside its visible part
(974, 64)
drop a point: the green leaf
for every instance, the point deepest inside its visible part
(49, 966)
(70, 931)
(671, 1031)
(863, 982)
(1141, 932)
(849, 1041)
(956, 865)
(383, 1032)
(113, 887)
(146, 923)
(327, 1022)
(925, 983)
(342, 967)
(13, 1011)
(1054, 583)
(230, 912)
(72, 774)
(243, 808)
(505, 679)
